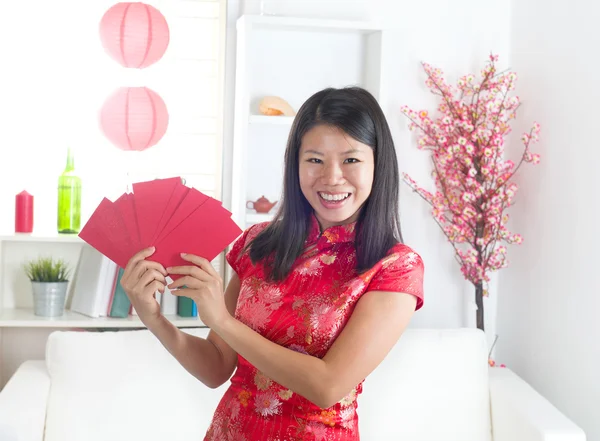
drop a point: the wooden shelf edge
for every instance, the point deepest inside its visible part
(275, 120)
(310, 23)
(25, 318)
(38, 237)
(259, 217)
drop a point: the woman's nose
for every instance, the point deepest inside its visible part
(332, 174)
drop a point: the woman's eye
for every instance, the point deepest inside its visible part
(315, 160)
(352, 160)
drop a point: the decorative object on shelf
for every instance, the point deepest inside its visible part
(23, 212)
(134, 34)
(134, 118)
(69, 198)
(49, 280)
(261, 205)
(472, 176)
(274, 105)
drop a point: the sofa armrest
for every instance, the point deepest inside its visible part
(23, 403)
(519, 413)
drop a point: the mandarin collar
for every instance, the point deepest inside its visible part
(332, 235)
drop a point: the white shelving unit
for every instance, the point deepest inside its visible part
(16, 301)
(256, 218)
(292, 58)
(22, 333)
(271, 120)
(25, 318)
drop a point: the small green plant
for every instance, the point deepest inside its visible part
(45, 269)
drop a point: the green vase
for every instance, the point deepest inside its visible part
(69, 198)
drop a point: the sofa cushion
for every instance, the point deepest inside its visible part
(432, 386)
(157, 400)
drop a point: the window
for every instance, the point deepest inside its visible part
(55, 78)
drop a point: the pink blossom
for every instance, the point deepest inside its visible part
(319, 431)
(309, 267)
(325, 317)
(270, 294)
(347, 417)
(267, 404)
(257, 314)
(290, 332)
(473, 181)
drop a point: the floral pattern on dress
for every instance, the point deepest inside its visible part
(305, 313)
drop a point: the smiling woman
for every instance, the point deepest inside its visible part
(320, 294)
(341, 165)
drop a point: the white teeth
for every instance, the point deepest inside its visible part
(334, 197)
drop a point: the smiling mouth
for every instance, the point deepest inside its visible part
(333, 198)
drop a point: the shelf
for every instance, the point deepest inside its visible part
(309, 24)
(25, 318)
(278, 120)
(258, 217)
(34, 237)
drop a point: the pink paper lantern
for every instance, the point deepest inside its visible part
(134, 34)
(134, 118)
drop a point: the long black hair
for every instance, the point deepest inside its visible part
(356, 112)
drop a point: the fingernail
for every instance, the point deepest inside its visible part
(152, 249)
(168, 270)
(183, 254)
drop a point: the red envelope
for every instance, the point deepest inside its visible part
(106, 232)
(150, 200)
(124, 204)
(164, 213)
(205, 233)
(94, 236)
(172, 208)
(192, 201)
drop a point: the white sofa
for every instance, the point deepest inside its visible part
(435, 385)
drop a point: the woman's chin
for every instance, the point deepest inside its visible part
(329, 218)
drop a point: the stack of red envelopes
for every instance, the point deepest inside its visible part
(163, 213)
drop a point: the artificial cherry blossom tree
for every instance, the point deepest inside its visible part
(473, 179)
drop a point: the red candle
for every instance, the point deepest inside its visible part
(23, 213)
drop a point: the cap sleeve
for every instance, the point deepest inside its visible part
(401, 271)
(237, 258)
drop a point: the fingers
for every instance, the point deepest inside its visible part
(157, 286)
(145, 265)
(202, 263)
(188, 282)
(149, 276)
(141, 255)
(128, 277)
(190, 270)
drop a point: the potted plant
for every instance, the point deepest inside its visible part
(49, 280)
(474, 180)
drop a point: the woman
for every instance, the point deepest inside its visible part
(319, 296)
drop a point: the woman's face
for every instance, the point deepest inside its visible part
(336, 174)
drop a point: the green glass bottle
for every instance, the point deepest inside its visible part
(69, 198)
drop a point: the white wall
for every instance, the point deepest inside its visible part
(457, 36)
(55, 77)
(549, 296)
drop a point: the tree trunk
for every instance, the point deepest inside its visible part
(479, 303)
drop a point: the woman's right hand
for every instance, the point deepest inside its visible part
(141, 279)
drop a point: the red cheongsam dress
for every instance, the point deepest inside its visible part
(304, 313)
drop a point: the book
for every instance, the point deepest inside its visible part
(93, 283)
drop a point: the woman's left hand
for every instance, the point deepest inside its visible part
(204, 286)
